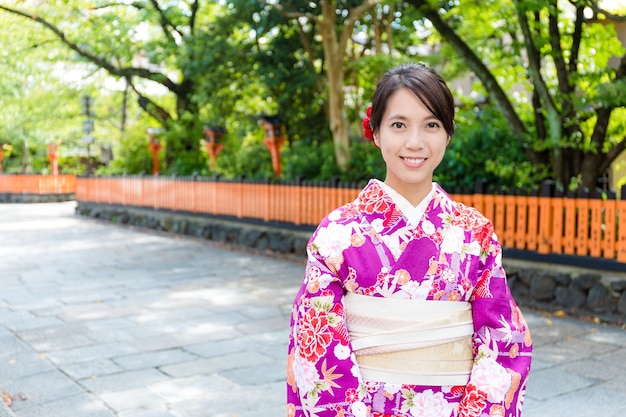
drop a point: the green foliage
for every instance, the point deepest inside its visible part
(243, 59)
(482, 149)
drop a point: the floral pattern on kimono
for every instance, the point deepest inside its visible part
(369, 247)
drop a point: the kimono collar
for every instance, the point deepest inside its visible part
(413, 214)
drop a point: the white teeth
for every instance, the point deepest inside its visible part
(415, 160)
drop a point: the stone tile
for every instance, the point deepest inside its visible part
(257, 375)
(73, 406)
(63, 336)
(216, 364)
(42, 388)
(23, 363)
(265, 400)
(592, 402)
(91, 353)
(614, 358)
(192, 388)
(153, 359)
(24, 320)
(123, 380)
(90, 369)
(570, 350)
(147, 413)
(608, 335)
(594, 369)
(261, 326)
(551, 382)
(134, 399)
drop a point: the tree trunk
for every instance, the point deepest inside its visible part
(334, 52)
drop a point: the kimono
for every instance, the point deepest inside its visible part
(381, 246)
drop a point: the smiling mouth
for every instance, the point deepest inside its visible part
(415, 161)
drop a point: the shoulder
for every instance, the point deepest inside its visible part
(372, 199)
(469, 219)
(475, 222)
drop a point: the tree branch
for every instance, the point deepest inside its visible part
(534, 65)
(557, 51)
(164, 21)
(149, 106)
(194, 14)
(476, 65)
(98, 61)
(289, 14)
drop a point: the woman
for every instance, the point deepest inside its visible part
(405, 308)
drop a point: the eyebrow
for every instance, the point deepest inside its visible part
(402, 117)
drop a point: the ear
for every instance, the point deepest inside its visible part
(376, 138)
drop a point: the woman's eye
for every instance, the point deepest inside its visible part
(397, 125)
(432, 125)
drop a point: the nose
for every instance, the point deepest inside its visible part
(415, 140)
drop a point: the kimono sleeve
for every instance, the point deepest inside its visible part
(322, 375)
(502, 343)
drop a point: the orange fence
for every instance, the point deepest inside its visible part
(570, 225)
(37, 184)
(580, 226)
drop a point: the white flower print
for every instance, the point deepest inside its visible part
(334, 215)
(430, 404)
(491, 378)
(324, 280)
(416, 291)
(342, 352)
(392, 388)
(473, 248)
(377, 225)
(448, 275)
(333, 240)
(428, 227)
(305, 373)
(359, 409)
(453, 240)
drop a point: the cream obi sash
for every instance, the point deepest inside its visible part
(412, 342)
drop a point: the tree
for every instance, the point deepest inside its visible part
(545, 66)
(334, 23)
(147, 44)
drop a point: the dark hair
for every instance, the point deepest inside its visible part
(425, 83)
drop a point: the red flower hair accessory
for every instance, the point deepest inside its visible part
(367, 129)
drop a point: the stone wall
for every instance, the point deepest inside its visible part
(35, 198)
(599, 295)
(596, 294)
(257, 236)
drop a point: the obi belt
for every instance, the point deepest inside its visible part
(415, 342)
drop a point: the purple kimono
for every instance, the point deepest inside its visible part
(446, 251)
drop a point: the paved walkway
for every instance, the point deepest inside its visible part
(98, 320)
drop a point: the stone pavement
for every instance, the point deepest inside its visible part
(100, 320)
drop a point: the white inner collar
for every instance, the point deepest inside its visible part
(412, 213)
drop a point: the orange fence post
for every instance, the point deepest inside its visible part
(610, 224)
(582, 226)
(510, 218)
(521, 221)
(596, 223)
(499, 216)
(556, 235)
(532, 231)
(621, 228)
(545, 219)
(569, 229)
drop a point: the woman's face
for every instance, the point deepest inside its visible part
(412, 142)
